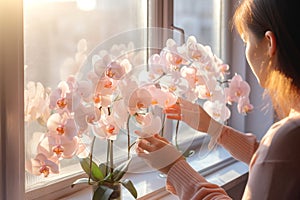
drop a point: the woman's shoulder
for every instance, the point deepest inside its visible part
(285, 140)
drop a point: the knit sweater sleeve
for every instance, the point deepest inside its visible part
(240, 145)
(187, 183)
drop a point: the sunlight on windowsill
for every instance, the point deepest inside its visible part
(151, 185)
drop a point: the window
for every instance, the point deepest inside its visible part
(58, 36)
(52, 30)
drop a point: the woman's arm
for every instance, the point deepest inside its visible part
(241, 146)
(187, 183)
(182, 179)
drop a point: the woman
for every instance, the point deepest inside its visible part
(270, 30)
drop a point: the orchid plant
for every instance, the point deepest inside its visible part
(116, 94)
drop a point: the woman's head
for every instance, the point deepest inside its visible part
(271, 31)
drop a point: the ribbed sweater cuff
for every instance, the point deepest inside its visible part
(182, 177)
(240, 145)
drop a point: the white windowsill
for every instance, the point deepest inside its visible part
(151, 186)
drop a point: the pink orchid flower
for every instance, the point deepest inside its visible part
(62, 125)
(102, 100)
(194, 50)
(170, 57)
(127, 86)
(119, 49)
(117, 70)
(174, 59)
(143, 119)
(244, 105)
(179, 87)
(151, 125)
(106, 128)
(59, 99)
(84, 90)
(58, 146)
(42, 165)
(84, 115)
(36, 99)
(224, 68)
(100, 62)
(120, 114)
(162, 96)
(237, 88)
(217, 110)
(210, 90)
(105, 86)
(140, 99)
(77, 90)
(190, 73)
(156, 65)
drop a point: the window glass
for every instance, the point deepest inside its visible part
(58, 35)
(200, 18)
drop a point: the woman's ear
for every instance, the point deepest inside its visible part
(270, 36)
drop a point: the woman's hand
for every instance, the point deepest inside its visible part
(196, 117)
(158, 152)
(190, 113)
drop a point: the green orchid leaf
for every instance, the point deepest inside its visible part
(102, 193)
(96, 173)
(130, 187)
(104, 168)
(80, 181)
(119, 171)
(188, 153)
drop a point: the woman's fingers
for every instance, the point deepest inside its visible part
(158, 152)
(140, 152)
(146, 145)
(161, 138)
(174, 107)
(151, 144)
(152, 139)
(173, 112)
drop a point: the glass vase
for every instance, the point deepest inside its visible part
(116, 195)
(116, 187)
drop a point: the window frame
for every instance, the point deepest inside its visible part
(12, 115)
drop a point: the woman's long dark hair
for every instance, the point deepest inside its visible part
(282, 18)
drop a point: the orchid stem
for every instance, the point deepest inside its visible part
(162, 131)
(91, 159)
(111, 156)
(129, 147)
(159, 77)
(128, 138)
(107, 157)
(176, 134)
